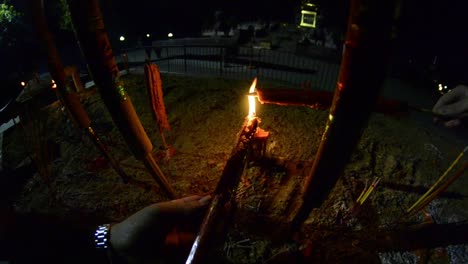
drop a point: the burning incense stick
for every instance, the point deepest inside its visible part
(429, 111)
(366, 192)
(442, 188)
(426, 195)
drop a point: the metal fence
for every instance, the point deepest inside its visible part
(240, 63)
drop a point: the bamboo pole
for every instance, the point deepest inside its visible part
(68, 96)
(362, 72)
(72, 71)
(322, 100)
(213, 223)
(94, 43)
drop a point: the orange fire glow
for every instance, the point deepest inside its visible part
(252, 99)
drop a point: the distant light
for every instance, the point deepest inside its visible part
(148, 35)
(308, 19)
(440, 85)
(440, 88)
(170, 35)
(122, 38)
(445, 87)
(23, 84)
(54, 85)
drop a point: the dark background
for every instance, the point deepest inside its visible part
(426, 29)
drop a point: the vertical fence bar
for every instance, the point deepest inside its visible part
(324, 76)
(320, 68)
(221, 60)
(175, 55)
(290, 64)
(317, 74)
(257, 62)
(261, 58)
(202, 60)
(167, 59)
(199, 59)
(303, 66)
(329, 76)
(281, 56)
(185, 59)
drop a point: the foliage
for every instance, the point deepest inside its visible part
(9, 17)
(65, 18)
(8, 14)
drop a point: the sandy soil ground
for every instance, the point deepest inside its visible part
(205, 115)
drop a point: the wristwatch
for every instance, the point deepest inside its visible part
(102, 237)
(103, 245)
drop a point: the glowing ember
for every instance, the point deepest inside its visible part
(54, 85)
(252, 99)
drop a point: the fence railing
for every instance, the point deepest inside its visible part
(240, 62)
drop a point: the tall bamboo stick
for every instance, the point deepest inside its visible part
(212, 227)
(362, 72)
(94, 43)
(68, 96)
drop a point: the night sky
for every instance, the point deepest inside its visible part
(435, 22)
(186, 18)
(427, 28)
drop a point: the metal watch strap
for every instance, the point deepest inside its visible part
(102, 237)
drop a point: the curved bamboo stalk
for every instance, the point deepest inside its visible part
(69, 98)
(362, 72)
(95, 45)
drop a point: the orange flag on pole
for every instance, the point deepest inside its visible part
(154, 86)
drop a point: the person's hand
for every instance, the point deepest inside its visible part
(454, 105)
(144, 236)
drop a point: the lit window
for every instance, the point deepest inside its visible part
(308, 18)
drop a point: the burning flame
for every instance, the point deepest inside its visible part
(54, 85)
(252, 99)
